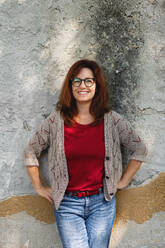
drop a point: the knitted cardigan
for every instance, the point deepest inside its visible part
(117, 131)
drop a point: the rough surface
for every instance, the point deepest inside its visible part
(40, 39)
(20, 229)
(150, 234)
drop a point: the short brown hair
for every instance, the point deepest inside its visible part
(67, 104)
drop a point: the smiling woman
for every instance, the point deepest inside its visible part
(83, 138)
(84, 86)
(91, 94)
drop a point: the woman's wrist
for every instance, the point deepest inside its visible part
(129, 173)
(122, 183)
(38, 187)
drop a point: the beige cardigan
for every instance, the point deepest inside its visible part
(50, 135)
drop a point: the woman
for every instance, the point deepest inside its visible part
(85, 165)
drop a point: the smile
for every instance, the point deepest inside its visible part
(83, 92)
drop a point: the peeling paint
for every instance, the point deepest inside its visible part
(35, 206)
(137, 204)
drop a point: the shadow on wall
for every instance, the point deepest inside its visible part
(117, 30)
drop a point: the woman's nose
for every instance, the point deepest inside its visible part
(82, 85)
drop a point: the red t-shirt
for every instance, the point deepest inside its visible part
(85, 152)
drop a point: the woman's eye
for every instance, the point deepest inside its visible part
(88, 80)
(76, 80)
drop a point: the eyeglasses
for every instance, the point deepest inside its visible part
(76, 82)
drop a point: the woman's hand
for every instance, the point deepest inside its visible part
(121, 184)
(45, 192)
(37, 184)
(129, 173)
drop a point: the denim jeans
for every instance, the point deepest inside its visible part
(85, 222)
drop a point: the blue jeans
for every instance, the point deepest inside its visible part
(85, 222)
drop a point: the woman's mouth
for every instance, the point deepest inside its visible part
(83, 92)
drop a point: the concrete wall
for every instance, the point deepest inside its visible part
(39, 40)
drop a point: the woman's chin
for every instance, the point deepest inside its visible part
(83, 100)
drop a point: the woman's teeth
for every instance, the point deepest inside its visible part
(83, 92)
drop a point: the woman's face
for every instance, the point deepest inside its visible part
(84, 93)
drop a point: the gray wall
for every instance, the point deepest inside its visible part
(39, 40)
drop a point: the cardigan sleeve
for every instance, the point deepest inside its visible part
(39, 142)
(130, 139)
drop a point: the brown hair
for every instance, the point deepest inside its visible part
(67, 104)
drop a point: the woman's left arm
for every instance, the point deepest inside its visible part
(129, 173)
(134, 144)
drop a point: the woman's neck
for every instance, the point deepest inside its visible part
(84, 116)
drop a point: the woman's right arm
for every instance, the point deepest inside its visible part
(37, 184)
(38, 143)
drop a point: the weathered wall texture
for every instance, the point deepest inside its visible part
(39, 40)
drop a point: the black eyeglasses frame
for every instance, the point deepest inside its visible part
(83, 80)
